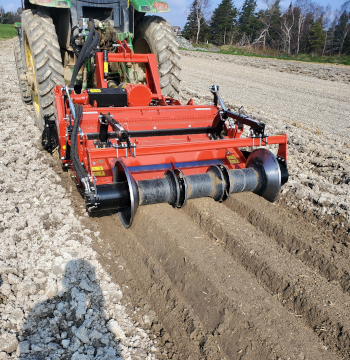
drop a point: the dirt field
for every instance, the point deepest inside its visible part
(245, 279)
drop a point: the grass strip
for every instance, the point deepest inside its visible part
(7, 31)
(272, 54)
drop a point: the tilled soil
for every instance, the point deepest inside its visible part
(246, 279)
(56, 300)
(314, 113)
(338, 73)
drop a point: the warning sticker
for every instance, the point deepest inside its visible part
(232, 159)
(94, 90)
(97, 168)
(99, 173)
(105, 67)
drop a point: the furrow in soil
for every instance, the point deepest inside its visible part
(210, 302)
(321, 305)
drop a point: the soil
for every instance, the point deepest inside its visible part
(245, 279)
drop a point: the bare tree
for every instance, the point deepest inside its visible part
(245, 40)
(303, 7)
(327, 24)
(266, 19)
(287, 23)
(200, 9)
(345, 19)
(3, 16)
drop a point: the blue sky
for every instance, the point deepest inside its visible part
(178, 8)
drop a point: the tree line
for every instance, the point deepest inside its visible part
(304, 27)
(8, 17)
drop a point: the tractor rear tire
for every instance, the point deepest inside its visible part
(20, 64)
(154, 34)
(43, 59)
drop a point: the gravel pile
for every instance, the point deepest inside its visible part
(184, 43)
(321, 71)
(56, 301)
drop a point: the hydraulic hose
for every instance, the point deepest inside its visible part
(87, 51)
(77, 166)
(73, 37)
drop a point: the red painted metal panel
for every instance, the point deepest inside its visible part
(154, 150)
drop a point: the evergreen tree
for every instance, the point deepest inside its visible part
(342, 30)
(190, 30)
(274, 31)
(223, 22)
(205, 32)
(195, 27)
(248, 22)
(317, 36)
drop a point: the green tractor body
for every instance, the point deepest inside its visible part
(138, 5)
(52, 30)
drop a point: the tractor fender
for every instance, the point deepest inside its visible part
(64, 4)
(152, 6)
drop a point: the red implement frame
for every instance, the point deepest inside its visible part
(192, 151)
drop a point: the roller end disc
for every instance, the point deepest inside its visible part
(266, 164)
(122, 174)
(182, 198)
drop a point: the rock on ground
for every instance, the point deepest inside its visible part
(309, 103)
(56, 300)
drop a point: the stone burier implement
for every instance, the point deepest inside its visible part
(129, 145)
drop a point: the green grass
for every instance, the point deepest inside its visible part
(203, 46)
(7, 31)
(337, 59)
(273, 54)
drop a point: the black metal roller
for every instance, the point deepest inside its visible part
(228, 182)
(218, 184)
(182, 187)
(268, 168)
(122, 174)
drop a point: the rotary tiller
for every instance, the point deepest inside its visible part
(130, 146)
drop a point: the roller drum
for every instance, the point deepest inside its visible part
(110, 196)
(156, 191)
(244, 180)
(201, 185)
(262, 175)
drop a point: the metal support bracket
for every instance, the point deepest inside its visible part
(121, 133)
(257, 126)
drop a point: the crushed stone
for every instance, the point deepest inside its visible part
(318, 147)
(56, 300)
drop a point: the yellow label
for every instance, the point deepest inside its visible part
(99, 173)
(105, 67)
(232, 159)
(97, 168)
(95, 90)
(64, 147)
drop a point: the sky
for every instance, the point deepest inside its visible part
(178, 8)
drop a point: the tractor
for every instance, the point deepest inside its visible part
(53, 32)
(104, 82)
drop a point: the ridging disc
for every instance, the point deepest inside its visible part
(266, 164)
(122, 174)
